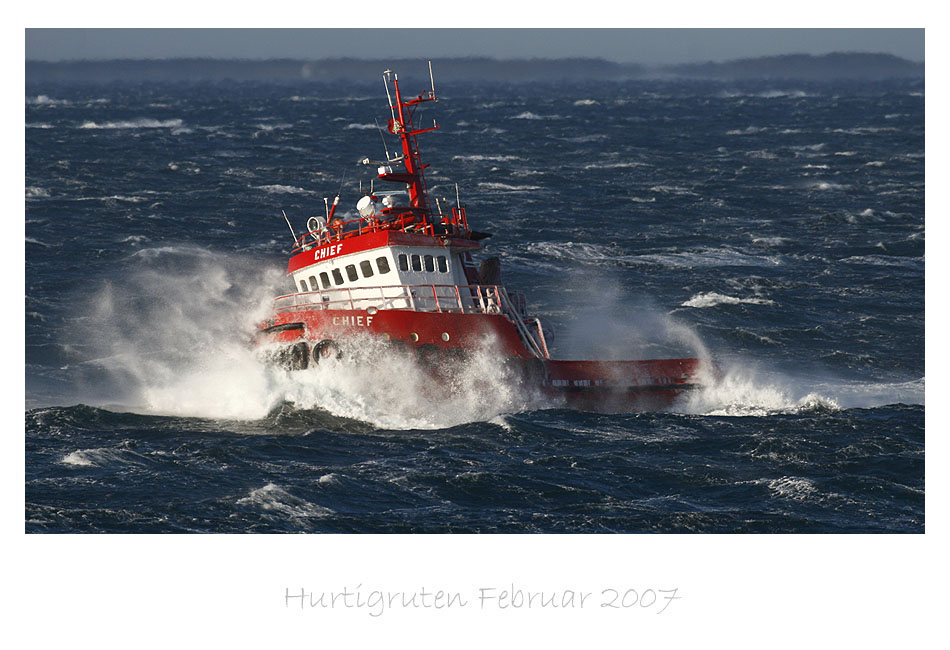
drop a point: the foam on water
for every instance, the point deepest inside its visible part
(274, 499)
(176, 339)
(712, 299)
(374, 383)
(742, 387)
(100, 457)
(140, 123)
(741, 391)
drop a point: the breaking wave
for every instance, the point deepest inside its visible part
(712, 299)
(141, 123)
(176, 339)
(742, 388)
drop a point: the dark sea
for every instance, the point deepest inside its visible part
(775, 228)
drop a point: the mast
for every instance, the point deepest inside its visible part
(402, 125)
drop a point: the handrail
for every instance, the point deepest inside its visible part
(413, 297)
(451, 298)
(405, 220)
(538, 349)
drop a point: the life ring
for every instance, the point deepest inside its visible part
(294, 357)
(325, 349)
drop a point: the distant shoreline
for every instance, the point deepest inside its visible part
(828, 67)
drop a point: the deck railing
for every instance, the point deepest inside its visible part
(413, 220)
(464, 299)
(441, 298)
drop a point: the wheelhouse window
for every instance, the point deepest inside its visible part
(337, 276)
(416, 263)
(403, 262)
(313, 283)
(303, 286)
(429, 263)
(382, 264)
(366, 268)
(351, 272)
(442, 263)
(325, 280)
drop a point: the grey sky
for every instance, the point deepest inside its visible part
(647, 46)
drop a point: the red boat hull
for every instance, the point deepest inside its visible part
(441, 339)
(621, 385)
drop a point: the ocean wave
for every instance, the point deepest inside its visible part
(528, 115)
(101, 457)
(826, 185)
(742, 392)
(283, 189)
(712, 299)
(274, 499)
(504, 187)
(672, 189)
(627, 164)
(141, 123)
(865, 130)
(771, 241)
(709, 257)
(486, 157)
(749, 130)
(46, 100)
(578, 251)
(792, 487)
(776, 94)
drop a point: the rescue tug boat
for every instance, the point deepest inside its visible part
(404, 271)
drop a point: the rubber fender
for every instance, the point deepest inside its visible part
(325, 349)
(296, 356)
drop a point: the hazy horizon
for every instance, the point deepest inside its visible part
(642, 46)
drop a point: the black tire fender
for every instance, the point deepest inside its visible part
(325, 349)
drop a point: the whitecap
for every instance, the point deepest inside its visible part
(825, 185)
(99, 457)
(739, 390)
(141, 123)
(46, 100)
(792, 487)
(504, 187)
(282, 189)
(486, 157)
(749, 130)
(273, 498)
(712, 299)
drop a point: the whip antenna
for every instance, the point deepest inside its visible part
(381, 137)
(341, 183)
(293, 234)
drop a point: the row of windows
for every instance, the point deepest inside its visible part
(415, 262)
(418, 262)
(382, 265)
